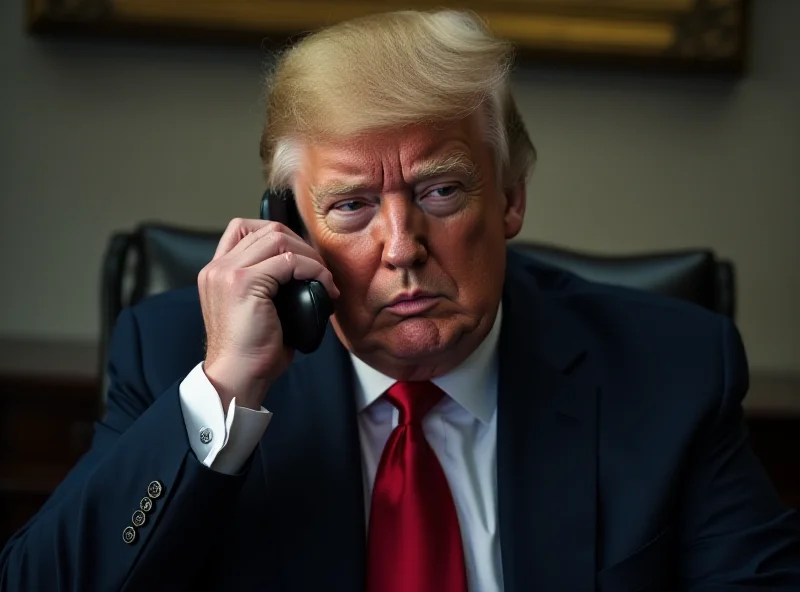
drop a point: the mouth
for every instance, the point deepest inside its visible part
(413, 303)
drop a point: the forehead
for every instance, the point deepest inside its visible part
(395, 151)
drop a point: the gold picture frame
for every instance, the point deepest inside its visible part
(708, 35)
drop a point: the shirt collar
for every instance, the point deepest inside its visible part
(473, 384)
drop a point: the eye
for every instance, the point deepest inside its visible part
(443, 200)
(349, 215)
(350, 205)
(445, 191)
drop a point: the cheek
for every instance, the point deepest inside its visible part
(472, 232)
(352, 261)
(472, 253)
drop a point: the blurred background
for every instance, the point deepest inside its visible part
(101, 134)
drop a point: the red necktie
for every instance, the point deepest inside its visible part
(414, 542)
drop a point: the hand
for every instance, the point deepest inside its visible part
(245, 351)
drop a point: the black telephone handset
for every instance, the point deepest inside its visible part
(303, 306)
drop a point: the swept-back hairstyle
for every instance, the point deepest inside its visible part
(390, 70)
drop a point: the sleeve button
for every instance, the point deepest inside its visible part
(129, 535)
(139, 518)
(146, 504)
(155, 489)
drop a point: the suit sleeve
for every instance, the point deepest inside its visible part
(736, 533)
(75, 542)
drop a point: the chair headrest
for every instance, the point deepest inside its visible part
(685, 274)
(170, 257)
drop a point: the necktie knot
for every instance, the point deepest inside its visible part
(414, 400)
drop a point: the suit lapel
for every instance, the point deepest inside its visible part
(547, 442)
(312, 466)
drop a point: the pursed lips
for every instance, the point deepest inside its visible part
(412, 303)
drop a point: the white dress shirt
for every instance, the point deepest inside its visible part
(461, 429)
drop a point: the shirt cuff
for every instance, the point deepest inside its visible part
(222, 443)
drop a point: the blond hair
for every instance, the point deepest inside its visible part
(390, 70)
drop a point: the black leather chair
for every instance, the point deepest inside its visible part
(156, 257)
(153, 258)
(696, 275)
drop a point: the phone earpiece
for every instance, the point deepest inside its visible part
(303, 306)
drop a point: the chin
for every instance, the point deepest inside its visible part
(415, 339)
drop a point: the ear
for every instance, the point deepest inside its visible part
(515, 209)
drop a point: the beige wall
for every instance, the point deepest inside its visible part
(98, 136)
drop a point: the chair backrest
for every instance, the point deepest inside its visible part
(157, 257)
(696, 275)
(153, 258)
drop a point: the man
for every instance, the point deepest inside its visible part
(471, 421)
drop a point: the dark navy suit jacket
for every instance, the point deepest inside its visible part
(623, 463)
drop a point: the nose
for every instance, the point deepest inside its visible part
(402, 231)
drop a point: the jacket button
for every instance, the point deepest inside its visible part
(138, 518)
(129, 535)
(146, 504)
(155, 489)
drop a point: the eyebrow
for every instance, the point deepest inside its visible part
(334, 188)
(453, 163)
(457, 162)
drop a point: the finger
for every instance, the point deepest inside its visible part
(237, 231)
(288, 266)
(271, 244)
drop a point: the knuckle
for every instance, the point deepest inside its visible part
(210, 272)
(236, 223)
(215, 274)
(275, 227)
(280, 242)
(265, 229)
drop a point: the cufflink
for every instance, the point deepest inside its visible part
(129, 535)
(155, 489)
(146, 504)
(206, 435)
(139, 518)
